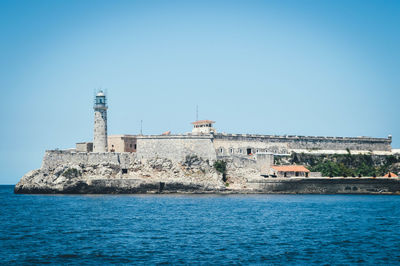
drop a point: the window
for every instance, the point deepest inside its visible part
(231, 150)
(240, 150)
(220, 150)
(130, 145)
(135, 146)
(124, 171)
(257, 151)
(248, 151)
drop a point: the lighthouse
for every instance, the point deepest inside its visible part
(100, 123)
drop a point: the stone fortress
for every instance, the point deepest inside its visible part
(186, 163)
(205, 142)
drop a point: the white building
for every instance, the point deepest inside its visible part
(203, 127)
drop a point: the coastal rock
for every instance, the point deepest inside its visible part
(63, 172)
(97, 173)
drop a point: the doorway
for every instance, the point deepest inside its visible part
(248, 151)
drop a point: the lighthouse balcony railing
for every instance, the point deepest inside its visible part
(100, 105)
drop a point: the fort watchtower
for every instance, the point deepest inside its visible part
(100, 123)
(203, 127)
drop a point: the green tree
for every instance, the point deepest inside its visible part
(220, 166)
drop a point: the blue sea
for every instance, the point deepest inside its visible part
(199, 229)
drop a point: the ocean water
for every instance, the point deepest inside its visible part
(201, 229)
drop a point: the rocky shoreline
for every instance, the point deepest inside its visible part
(292, 186)
(122, 173)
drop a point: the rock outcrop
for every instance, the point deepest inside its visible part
(63, 172)
(97, 173)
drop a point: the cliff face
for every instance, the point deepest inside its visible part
(64, 172)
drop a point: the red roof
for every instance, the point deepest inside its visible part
(202, 122)
(290, 168)
(391, 175)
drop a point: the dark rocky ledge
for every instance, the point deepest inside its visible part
(266, 186)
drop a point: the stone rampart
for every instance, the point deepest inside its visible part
(239, 143)
(54, 158)
(175, 147)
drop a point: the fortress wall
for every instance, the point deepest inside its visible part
(175, 147)
(285, 144)
(237, 144)
(54, 158)
(365, 144)
(239, 161)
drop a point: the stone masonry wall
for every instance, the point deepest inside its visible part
(100, 131)
(238, 143)
(175, 147)
(53, 159)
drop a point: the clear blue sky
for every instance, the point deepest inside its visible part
(267, 67)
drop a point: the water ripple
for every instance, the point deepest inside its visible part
(200, 229)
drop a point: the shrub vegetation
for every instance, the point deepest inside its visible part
(345, 164)
(220, 166)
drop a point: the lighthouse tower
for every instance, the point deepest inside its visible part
(100, 123)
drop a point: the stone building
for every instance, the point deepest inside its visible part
(242, 150)
(84, 147)
(122, 143)
(100, 123)
(205, 142)
(203, 127)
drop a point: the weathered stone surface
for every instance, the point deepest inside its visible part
(175, 147)
(69, 172)
(328, 185)
(227, 144)
(97, 173)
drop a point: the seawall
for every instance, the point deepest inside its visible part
(327, 186)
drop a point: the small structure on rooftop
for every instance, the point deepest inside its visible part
(122, 143)
(84, 147)
(203, 127)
